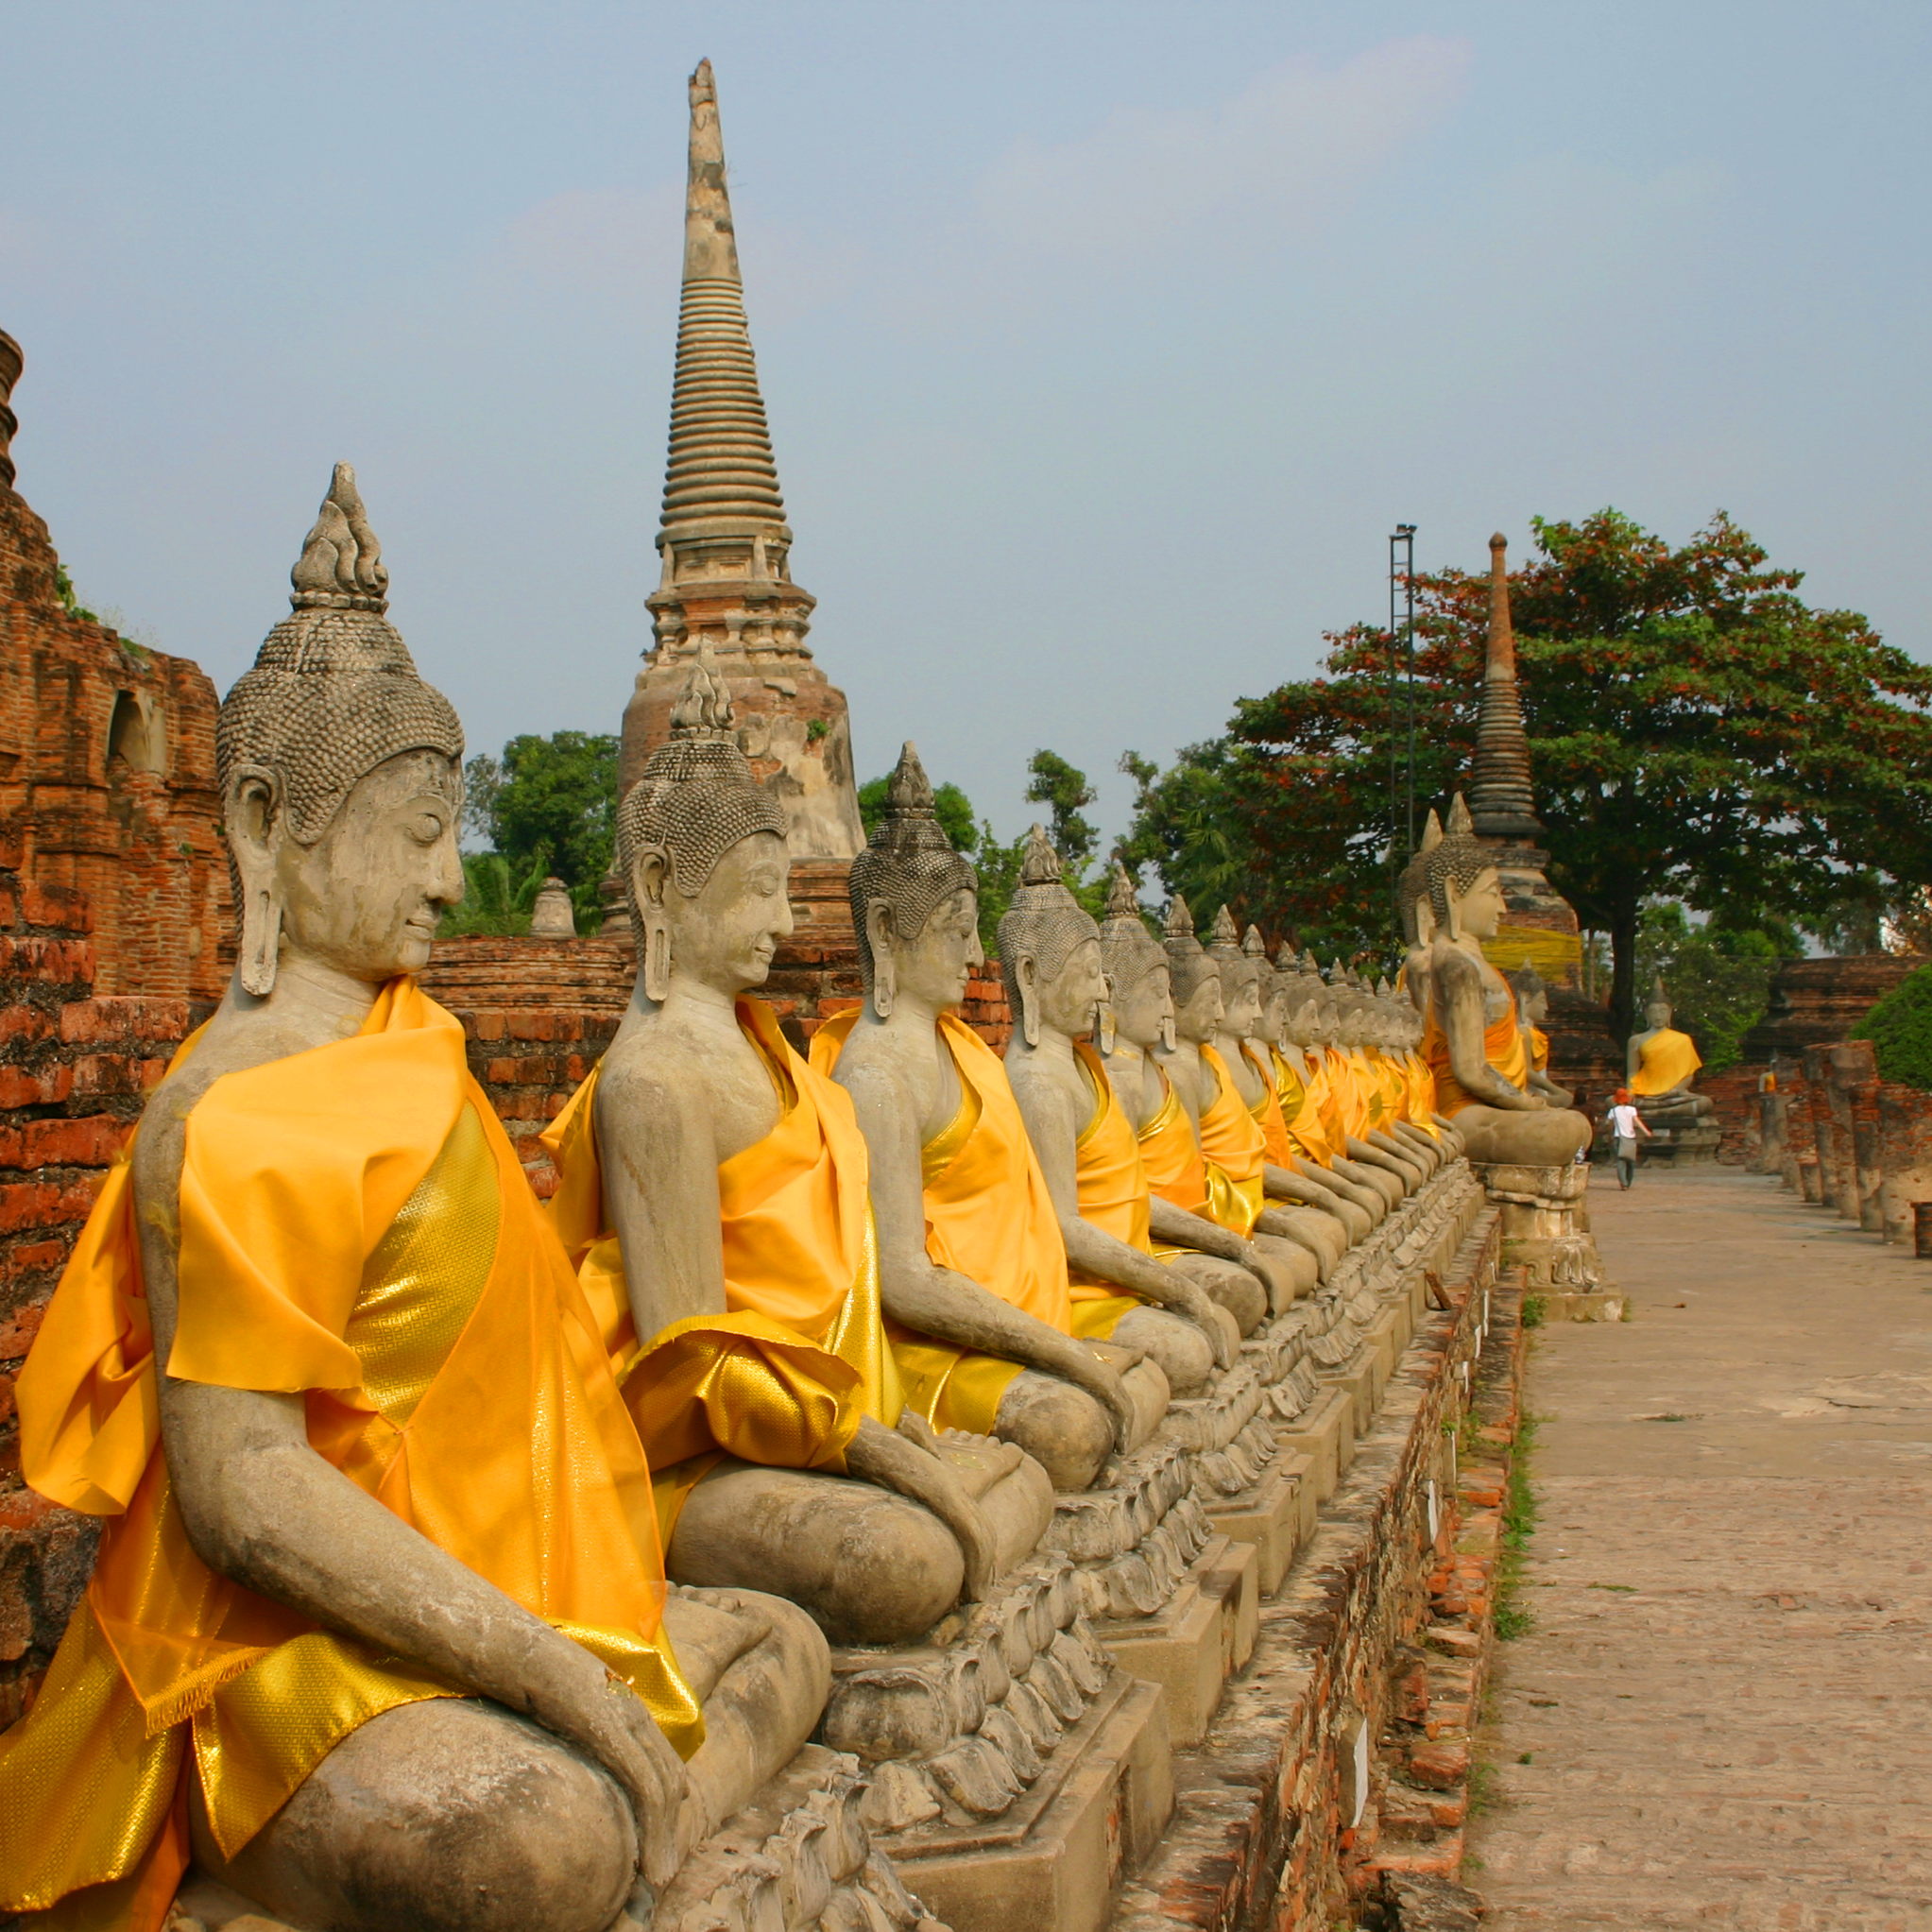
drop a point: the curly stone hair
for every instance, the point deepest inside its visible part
(697, 796)
(907, 862)
(334, 691)
(1045, 922)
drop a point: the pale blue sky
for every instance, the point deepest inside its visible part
(1103, 344)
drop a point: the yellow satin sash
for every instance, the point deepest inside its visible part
(1171, 1155)
(1109, 1174)
(1422, 1093)
(1666, 1059)
(1539, 1051)
(1308, 1124)
(356, 1228)
(1502, 1048)
(988, 1217)
(798, 1356)
(1267, 1110)
(1234, 1150)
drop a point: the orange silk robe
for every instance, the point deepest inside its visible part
(784, 1372)
(1110, 1175)
(988, 1217)
(1502, 1048)
(1171, 1155)
(1304, 1107)
(355, 1229)
(1422, 1093)
(1235, 1148)
(1268, 1112)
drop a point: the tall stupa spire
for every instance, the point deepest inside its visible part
(1539, 925)
(1501, 799)
(725, 548)
(721, 464)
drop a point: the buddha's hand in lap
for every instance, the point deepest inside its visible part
(1272, 1273)
(574, 1695)
(1110, 1361)
(906, 1461)
(1214, 1321)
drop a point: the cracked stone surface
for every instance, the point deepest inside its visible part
(1723, 1700)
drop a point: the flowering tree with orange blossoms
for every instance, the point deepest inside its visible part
(1697, 732)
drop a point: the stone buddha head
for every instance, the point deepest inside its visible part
(701, 850)
(915, 901)
(1050, 949)
(1195, 977)
(1297, 999)
(1240, 976)
(341, 774)
(1465, 894)
(1533, 995)
(1657, 1009)
(1273, 1016)
(1140, 998)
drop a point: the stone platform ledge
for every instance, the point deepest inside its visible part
(1610, 1305)
(1266, 1830)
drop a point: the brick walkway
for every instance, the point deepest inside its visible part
(1724, 1714)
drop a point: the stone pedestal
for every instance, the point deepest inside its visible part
(1546, 1232)
(1693, 1144)
(797, 1858)
(1014, 1770)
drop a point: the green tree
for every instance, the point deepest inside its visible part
(1698, 733)
(1717, 980)
(1901, 1026)
(1063, 790)
(549, 802)
(498, 895)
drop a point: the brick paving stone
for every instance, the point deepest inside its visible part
(1724, 1698)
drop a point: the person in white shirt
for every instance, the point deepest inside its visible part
(1626, 1123)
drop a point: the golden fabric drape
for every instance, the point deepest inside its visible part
(798, 1356)
(1109, 1174)
(1666, 1059)
(988, 1217)
(1502, 1048)
(1234, 1150)
(356, 1197)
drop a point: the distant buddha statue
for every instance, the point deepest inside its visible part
(972, 1263)
(1532, 1009)
(1301, 1085)
(715, 1189)
(1233, 1145)
(1136, 1027)
(1662, 1064)
(378, 1631)
(1049, 953)
(1474, 1045)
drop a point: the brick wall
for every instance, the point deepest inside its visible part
(106, 773)
(73, 1068)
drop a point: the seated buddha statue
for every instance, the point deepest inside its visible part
(1137, 1025)
(1359, 1079)
(1233, 1147)
(714, 1187)
(1662, 1064)
(1050, 956)
(1532, 1009)
(1292, 1210)
(1474, 1043)
(1300, 1077)
(1384, 1041)
(379, 1633)
(1273, 1096)
(1400, 1033)
(972, 1266)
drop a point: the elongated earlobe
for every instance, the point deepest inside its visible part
(261, 945)
(249, 819)
(650, 873)
(885, 982)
